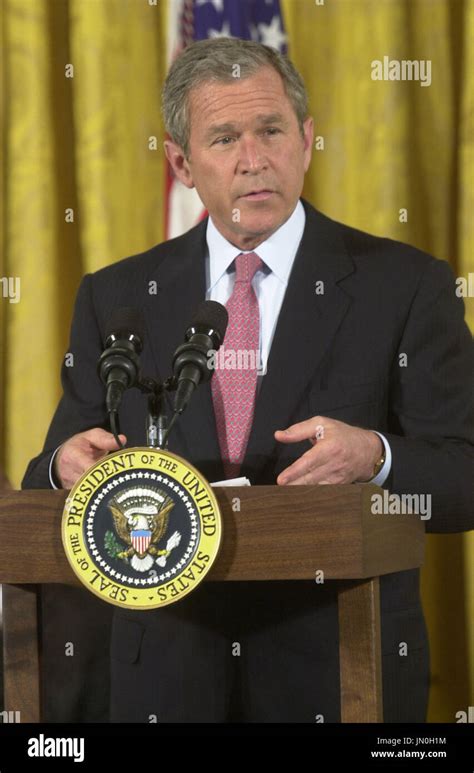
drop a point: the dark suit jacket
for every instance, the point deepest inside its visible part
(334, 354)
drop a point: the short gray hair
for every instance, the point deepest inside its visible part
(216, 60)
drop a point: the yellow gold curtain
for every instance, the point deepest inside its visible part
(83, 186)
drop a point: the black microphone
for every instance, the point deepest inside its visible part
(191, 363)
(119, 363)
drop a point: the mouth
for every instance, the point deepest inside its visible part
(260, 195)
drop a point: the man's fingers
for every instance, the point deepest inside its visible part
(80, 452)
(346, 453)
(70, 463)
(316, 476)
(305, 430)
(311, 479)
(100, 438)
(310, 463)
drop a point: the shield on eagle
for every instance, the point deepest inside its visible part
(141, 539)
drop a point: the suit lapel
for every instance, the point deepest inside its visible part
(181, 280)
(306, 326)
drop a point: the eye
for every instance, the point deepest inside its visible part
(222, 140)
(272, 130)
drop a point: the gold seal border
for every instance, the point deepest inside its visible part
(77, 551)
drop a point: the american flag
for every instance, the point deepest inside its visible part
(190, 20)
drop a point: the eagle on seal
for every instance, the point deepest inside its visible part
(141, 517)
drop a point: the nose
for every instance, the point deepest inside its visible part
(252, 157)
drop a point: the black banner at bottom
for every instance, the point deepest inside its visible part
(124, 746)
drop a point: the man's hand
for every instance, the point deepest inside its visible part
(340, 453)
(80, 452)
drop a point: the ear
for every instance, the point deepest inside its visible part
(308, 133)
(179, 164)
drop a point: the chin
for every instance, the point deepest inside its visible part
(260, 224)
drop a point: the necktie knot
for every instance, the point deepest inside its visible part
(246, 266)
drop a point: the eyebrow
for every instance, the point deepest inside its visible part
(263, 120)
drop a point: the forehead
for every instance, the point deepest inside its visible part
(239, 100)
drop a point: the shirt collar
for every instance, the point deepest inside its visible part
(278, 251)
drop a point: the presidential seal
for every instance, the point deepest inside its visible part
(141, 528)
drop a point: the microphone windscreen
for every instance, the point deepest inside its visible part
(123, 321)
(211, 315)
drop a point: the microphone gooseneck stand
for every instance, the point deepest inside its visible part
(157, 427)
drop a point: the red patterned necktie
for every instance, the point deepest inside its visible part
(234, 382)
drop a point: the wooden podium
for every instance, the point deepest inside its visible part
(279, 533)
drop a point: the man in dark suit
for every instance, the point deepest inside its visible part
(360, 336)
